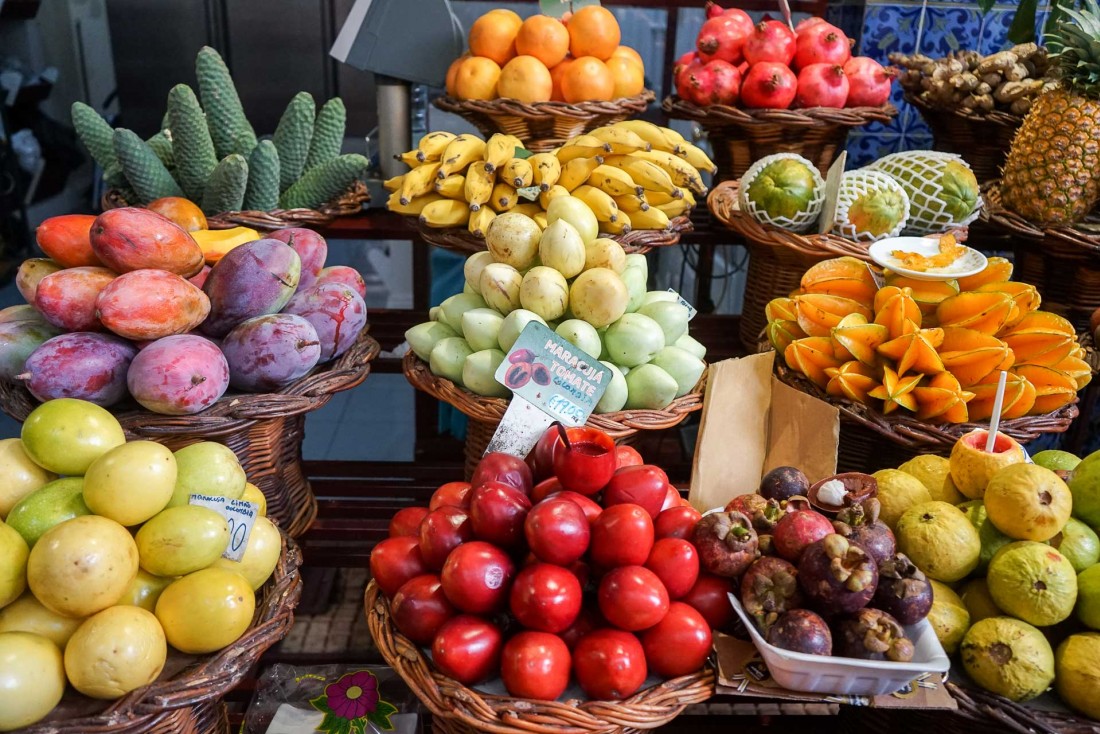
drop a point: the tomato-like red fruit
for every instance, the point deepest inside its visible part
(406, 522)
(419, 608)
(394, 561)
(679, 644)
(676, 522)
(497, 512)
(587, 464)
(632, 598)
(451, 494)
(476, 577)
(627, 456)
(587, 621)
(467, 648)
(546, 597)
(621, 536)
(545, 488)
(441, 532)
(541, 458)
(645, 486)
(672, 499)
(557, 531)
(503, 468)
(609, 664)
(535, 665)
(590, 506)
(581, 570)
(676, 563)
(710, 597)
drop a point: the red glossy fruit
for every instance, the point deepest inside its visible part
(441, 532)
(609, 664)
(822, 85)
(592, 509)
(407, 522)
(769, 85)
(676, 522)
(587, 621)
(710, 597)
(621, 536)
(451, 494)
(821, 43)
(645, 486)
(672, 499)
(476, 577)
(681, 74)
(587, 464)
(632, 598)
(394, 561)
(541, 458)
(679, 644)
(676, 563)
(723, 37)
(557, 531)
(535, 665)
(771, 40)
(503, 468)
(467, 648)
(627, 456)
(797, 530)
(497, 512)
(868, 82)
(545, 488)
(419, 608)
(546, 597)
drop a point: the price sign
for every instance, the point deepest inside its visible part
(683, 302)
(240, 515)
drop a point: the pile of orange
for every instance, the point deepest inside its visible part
(577, 59)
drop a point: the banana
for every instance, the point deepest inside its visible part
(601, 203)
(652, 218)
(687, 196)
(445, 213)
(614, 181)
(551, 193)
(576, 172)
(621, 140)
(413, 207)
(694, 155)
(408, 158)
(503, 197)
(682, 173)
(631, 203)
(582, 146)
(518, 172)
(480, 220)
(529, 208)
(418, 182)
(675, 208)
(432, 145)
(461, 152)
(645, 173)
(540, 219)
(479, 184)
(660, 138)
(452, 187)
(546, 169)
(393, 184)
(620, 226)
(500, 149)
(660, 198)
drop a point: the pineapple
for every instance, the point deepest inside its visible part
(1052, 174)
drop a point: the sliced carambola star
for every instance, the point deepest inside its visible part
(915, 350)
(781, 308)
(818, 313)
(852, 380)
(895, 392)
(812, 356)
(984, 312)
(971, 355)
(857, 338)
(942, 399)
(897, 311)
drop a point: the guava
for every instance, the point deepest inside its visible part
(1028, 502)
(1079, 543)
(978, 601)
(949, 618)
(972, 466)
(1085, 486)
(1087, 608)
(1077, 668)
(1056, 460)
(992, 539)
(897, 492)
(939, 538)
(934, 472)
(1008, 657)
(1034, 582)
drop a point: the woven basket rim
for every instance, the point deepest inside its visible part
(491, 410)
(980, 705)
(576, 110)
(213, 675)
(1003, 217)
(996, 117)
(449, 699)
(716, 116)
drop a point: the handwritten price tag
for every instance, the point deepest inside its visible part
(240, 515)
(683, 302)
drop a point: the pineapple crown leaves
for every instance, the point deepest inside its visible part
(1076, 47)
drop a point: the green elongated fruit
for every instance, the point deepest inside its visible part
(95, 133)
(114, 176)
(191, 142)
(324, 182)
(292, 136)
(144, 171)
(162, 146)
(225, 191)
(262, 192)
(224, 113)
(328, 133)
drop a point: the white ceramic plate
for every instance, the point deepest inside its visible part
(971, 262)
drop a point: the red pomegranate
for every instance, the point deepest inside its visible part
(727, 82)
(769, 85)
(699, 85)
(723, 36)
(684, 66)
(806, 23)
(822, 85)
(821, 43)
(868, 82)
(771, 40)
(714, 9)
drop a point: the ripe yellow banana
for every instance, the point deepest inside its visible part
(600, 202)
(657, 198)
(408, 158)
(459, 153)
(452, 187)
(479, 184)
(652, 218)
(445, 213)
(675, 208)
(546, 169)
(432, 145)
(687, 196)
(503, 197)
(500, 149)
(660, 138)
(393, 184)
(413, 207)
(645, 173)
(550, 194)
(694, 155)
(614, 181)
(582, 146)
(418, 182)
(631, 203)
(529, 208)
(622, 225)
(540, 219)
(479, 221)
(518, 172)
(682, 173)
(621, 140)
(576, 172)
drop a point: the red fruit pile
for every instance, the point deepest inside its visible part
(574, 565)
(769, 66)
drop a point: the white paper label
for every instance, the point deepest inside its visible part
(240, 515)
(683, 302)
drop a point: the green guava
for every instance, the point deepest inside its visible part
(1034, 582)
(949, 618)
(1085, 486)
(992, 539)
(978, 601)
(1087, 609)
(1008, 657)
(939, 538)
(1056, 460)
(1078, 543)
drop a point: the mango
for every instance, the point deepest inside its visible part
(255, 279)
(30, 273)
(215, 243)
(199, 278)
(18, 339)
(150, 304)
(129, 238)
(67, 298)
(178, 375)
(83, 365)
(343, 274)
(311, 248)
(267, 353)
(67, 240)
(336, 312)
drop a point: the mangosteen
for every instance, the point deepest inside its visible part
(872, 634)
(726, 543)
(765, 544)
(837, 577)
(784, 482)
(800, 630)
(903, 590)
(859, 522)
(769, 588)
(764, 513)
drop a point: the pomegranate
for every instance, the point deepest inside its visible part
(727, 82)
(822, 85)
(769, 588)
(903, 590)
(798, 529)
(872, 634)
(868, 82)
(699, 85)
(726, 543)
(806, 23)
(800, 630)
(771, 40)
(723, 36)
(684, 65)
(714, 9)
(821, 43)
(837, 577)
(769, 85)
(859, 523)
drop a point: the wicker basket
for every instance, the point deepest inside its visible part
(188, 699)
(740, 137)
(456, 708)
(641, 241)
(543, 126)
(981, 139)
(485, 414)
(348, 203)
(264, 430)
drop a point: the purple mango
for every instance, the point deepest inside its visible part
(343, 274)
(254, 279)
(311, 248)
(337, 313)
(83, 364)
(178, 375)
(267, 353)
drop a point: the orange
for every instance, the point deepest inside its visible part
(545, 38)
(477, 78)
(587, 79)
(628, 53)
(556, 74)
(629, 77)
(182, 211)
(527, 79)
(593, 31)
(493, 36)
(452, 74)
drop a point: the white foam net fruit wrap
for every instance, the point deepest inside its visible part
(801, 222)
(854, 186)
(920, 173)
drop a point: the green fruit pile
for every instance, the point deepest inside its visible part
(210, 154)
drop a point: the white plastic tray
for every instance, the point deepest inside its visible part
(798, 671)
